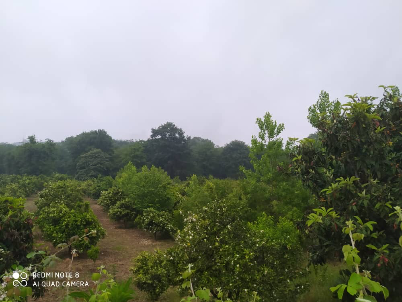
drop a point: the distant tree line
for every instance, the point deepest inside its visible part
(94, 153)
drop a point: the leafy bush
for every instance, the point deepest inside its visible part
(93, 253)
(238, 258)
(61, 225)
(111, 197)
(149, 188)
(199, 192)
(152, 273)
(270, 186)
(99, 185)
(229, 256)
(124, 210)
(125, 178)
(16, 238)
(156, 222)
(66, 192)
(21, 186)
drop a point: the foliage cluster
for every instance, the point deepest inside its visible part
(66, 192)
(16, 237)
(354, 168)
(95, 186)
(63, 215)
(21, 186)
(231, 254)
(156, 222)
(146, 196)
(111, 197)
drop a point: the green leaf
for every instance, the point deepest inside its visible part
(371, 246)
(354, 279)
(351, 290)
(203, 294)
(335, 288)
(385, 292)
(341, 291)
(357, 236)
(370, 224)
(95, 276)
(359, 220)
(349, 259)
(31, 254)
(185, 284)
(186, 274)
(357, 258)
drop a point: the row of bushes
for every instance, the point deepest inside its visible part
(218, 232)
(21, 186)
(144, 198)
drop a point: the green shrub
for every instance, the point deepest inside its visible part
(200, 191)
(229, 255)
(156, 222)
(237, 257)
(16, 237)
(93, 253)
(60, 224)
(152, 273)
(149, 188)
(124, 211)
(67, 192)
(111, 197)
(21, 186)
(99, 185)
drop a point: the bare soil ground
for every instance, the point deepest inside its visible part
(117, 251)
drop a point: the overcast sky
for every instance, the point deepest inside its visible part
(211, 67)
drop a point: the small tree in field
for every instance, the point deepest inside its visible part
(148, 188)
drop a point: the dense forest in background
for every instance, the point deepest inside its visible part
(94, 153)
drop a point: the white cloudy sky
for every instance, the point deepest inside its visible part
(212, 67)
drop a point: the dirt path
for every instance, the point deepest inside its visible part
(117, 251)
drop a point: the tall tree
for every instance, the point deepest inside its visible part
(86, 141)
(35, 158)
(132, 152)
(205, 157)
(5, 154)
(234, 155)
(92, 164)
(168, 148)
